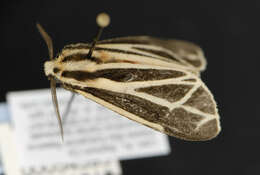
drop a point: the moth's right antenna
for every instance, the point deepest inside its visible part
(103, 21)
(48, 41)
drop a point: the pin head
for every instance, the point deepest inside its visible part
(103, 20)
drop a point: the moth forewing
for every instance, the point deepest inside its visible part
(170, 100)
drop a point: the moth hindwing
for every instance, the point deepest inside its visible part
(149, 80)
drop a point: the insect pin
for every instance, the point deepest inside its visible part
(153, 81)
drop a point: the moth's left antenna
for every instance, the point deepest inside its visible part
(103, 21)
(48, 41)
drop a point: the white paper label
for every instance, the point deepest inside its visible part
(11, 167)
(91, 132)
(3, 119)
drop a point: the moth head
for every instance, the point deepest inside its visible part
(51, 69)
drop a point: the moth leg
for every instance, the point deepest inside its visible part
(68, 107)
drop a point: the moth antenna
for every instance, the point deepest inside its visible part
(103, 21)
(56, 106)
(48, 41)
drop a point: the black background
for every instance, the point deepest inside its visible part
(226, 30)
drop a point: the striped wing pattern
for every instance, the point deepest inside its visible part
(177, 103)
(148, 50)
(145, 79)
(187, 52)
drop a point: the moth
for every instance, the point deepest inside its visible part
(153, 81)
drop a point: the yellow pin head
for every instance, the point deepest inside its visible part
(103, 20)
